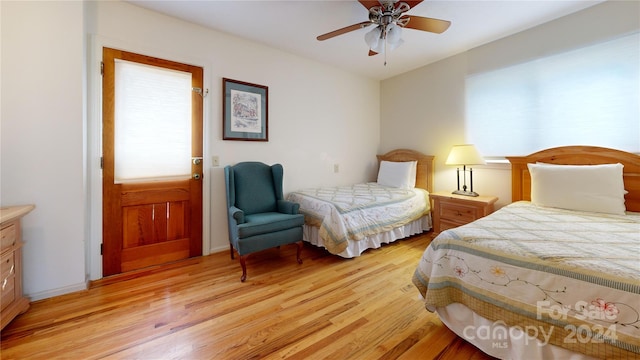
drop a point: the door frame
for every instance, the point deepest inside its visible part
(93, 149)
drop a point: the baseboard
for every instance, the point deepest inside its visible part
(57, 292)
(219, 249)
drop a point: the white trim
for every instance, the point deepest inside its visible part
(219, 249)
(57, 292)
(94, 145)
(496, 163)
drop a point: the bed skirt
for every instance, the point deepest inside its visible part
(516, 345)
(355, 248)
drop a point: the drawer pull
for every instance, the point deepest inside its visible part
(4, 284)
(11, 270)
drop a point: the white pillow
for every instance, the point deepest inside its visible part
(596, 188)
(398, 174)
(414, 173)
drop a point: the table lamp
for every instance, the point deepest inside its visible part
(464, 155)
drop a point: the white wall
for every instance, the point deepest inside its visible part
(425, 109)
(42, 137)
(318, 116)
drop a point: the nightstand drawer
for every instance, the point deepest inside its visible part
(446, 225)
(457, 213)
(7, 237)
(8, 291)
(8, 265)
(452, 210)
(7, 279)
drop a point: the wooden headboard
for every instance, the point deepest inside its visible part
(577, 155)
(424, 173)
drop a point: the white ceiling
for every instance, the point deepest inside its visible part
(292, 26)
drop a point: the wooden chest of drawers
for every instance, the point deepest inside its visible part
(12, 298)
(450, 210)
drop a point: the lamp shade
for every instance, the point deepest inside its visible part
(394, 34)
(464, 155)
(384, 37)
(372, 38)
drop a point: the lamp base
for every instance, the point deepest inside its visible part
(465, 193)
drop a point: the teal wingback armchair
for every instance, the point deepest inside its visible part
(259, 217)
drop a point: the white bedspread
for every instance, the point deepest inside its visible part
(574, 276)
(351, 213)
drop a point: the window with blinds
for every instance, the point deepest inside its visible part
(588, 96)
(152, 123)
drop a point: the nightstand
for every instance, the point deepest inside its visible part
(450, 210)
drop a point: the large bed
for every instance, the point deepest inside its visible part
(348, 220)
(547, 276)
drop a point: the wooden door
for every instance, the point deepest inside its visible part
(150, 221)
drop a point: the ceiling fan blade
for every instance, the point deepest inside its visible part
(372, 53)
(371, 3)
(412, 4)
(344, 30)
(426, 24)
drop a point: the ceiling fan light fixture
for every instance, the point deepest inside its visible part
(394, 35)
(384, 37)
(379, 48)
(372, 38)
(393, 46)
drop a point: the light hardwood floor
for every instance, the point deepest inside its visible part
(326, 308)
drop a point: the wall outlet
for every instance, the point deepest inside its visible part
(215, 160)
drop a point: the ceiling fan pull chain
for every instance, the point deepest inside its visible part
(385, 50)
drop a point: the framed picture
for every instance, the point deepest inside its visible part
(244, 111)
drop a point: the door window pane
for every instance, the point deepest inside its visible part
(152, 123)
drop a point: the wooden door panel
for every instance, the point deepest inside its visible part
(149, 255)
(144, 225)
(177, 224)
(133, 194)
(153, 222)
(138, 226)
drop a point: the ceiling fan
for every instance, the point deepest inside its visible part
(389, 18)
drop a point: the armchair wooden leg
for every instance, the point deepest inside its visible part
(299, 243)
(244, 268)
(231, 250)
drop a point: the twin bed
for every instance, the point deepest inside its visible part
(348, 220)
(555, 274)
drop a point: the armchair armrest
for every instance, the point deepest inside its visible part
(288, 207)
(236, 214)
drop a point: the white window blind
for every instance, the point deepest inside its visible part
(588, 96)
(152, 123)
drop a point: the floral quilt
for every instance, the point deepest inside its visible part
(350, 213)
(566, 277)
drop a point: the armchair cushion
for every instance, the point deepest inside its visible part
(257, 224)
